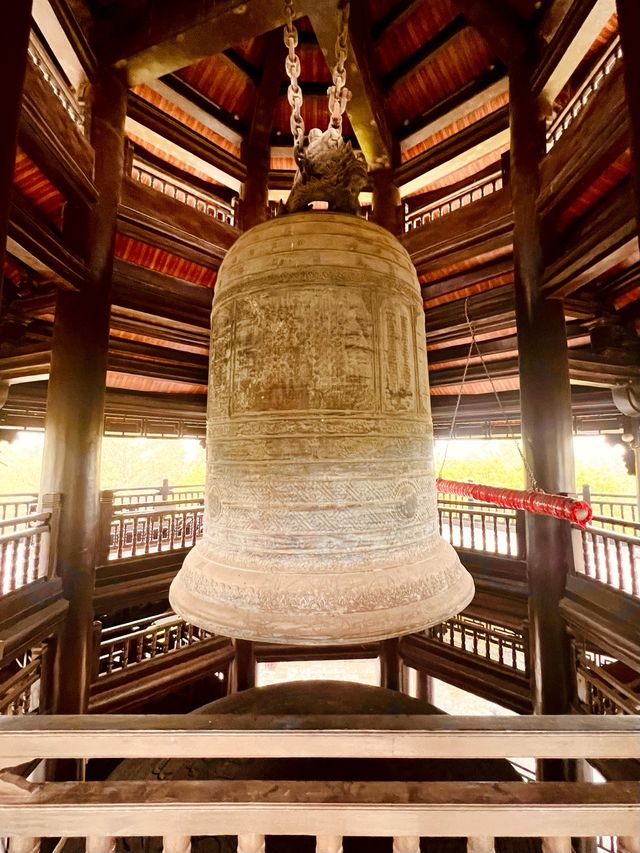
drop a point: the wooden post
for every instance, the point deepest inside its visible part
(255, 151)
(99, 844)
(176, 844)
(387, 207)
(545, 398)
(481, 844)
(105, 512)
(16, 25)
(244, 666)
(251, 842)
(328, 844)
(390, 664)
(22, 844)
(52, 504)
(629, 27)
(75, 401)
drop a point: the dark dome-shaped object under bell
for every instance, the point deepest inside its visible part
(321, 523)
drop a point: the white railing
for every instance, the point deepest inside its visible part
(55, 80)
(611, 553)
(474, 191)
(148, 176)
(565, 118)
(251, 810)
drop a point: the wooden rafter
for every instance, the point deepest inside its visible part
(173, 35)
(425, 53)
(402, 10)
(366, 110)
(499, 25)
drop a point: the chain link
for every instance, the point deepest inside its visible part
(339, 95)
(294, 92)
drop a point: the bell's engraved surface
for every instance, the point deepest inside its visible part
(321, 522)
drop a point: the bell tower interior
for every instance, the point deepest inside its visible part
(328, 241)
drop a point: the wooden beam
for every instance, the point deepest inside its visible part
(366, 109)
(195, 104)
(581, 24)
(466, 100)
(600, 240)
(142, 290)
(425, 53)
(75, 27)
(629, 25)
(484, 226)
(255, 150)
(13, 67)
(228, 169)
(53, 141)
(376, 736)
(499, 25)
(397, 14)
(36, 244)
(173, 35)
(485, 136)
(593, 141)
(153, 217)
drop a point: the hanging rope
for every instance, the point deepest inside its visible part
(474, 345)
(535, 500)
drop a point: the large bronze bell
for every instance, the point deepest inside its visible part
(321, 523)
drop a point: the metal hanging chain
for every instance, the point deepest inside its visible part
(294, 92)
(474, 345)
(339, 95)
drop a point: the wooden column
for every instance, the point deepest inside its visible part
(16, 25)
(629, 28)
(387, 208)
(390, 664)
(255, 151)
(244, 666)
(545, 398)
(75, 402)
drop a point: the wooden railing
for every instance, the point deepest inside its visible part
(453, 201)
(19, 694)
(611, 553)
(28, 546)
(495, 643)
(157, 494)
(145, 639)
(328, 810)
(150, 528)
(572, 110)
(608, 504)
(157, 180)
(480, 527)
(601, 689)
(17, 505)
(55, 80)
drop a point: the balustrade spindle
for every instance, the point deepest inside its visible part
(557, 844)
(98, 844)
(328, 844)
(481, 844)
(406, 844)
(176, 844)
(251, 842)
(23, 844)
